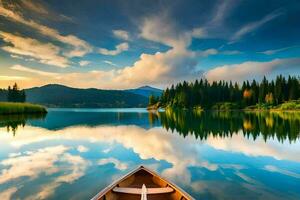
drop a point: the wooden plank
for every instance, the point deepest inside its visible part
(128, 190)
(144, 193)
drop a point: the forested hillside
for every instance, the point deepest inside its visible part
(205, 94)
(62, 96)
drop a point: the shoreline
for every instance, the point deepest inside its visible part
(11, 108)
(228, 110)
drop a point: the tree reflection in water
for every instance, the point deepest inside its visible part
(281, 125)
(13, 122)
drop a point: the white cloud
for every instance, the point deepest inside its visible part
(176, 64)
(107, 150)
(239, 144)
(163, 30)
(16, 56)
(121, 34)
(7, 194)
(221, 11)
(274, 51)
(165, 146)
(13, 78)
(272, 168)
(255, 25)
(35, 163)
(143, 143)
(14, 154)
(22, 58)
(32, 164)
(79, 47)
(118, 49)
(83, 80)
(118, 164)
(231, 52)
(110, 63)
(250, 70)
(35, 7)
(82, 149)
(45, 53)
(160, 69)
(83, 63)
(39, 72)
(207, 52)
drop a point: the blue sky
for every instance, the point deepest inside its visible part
(127, 44)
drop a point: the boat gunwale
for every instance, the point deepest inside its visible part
(114, 184)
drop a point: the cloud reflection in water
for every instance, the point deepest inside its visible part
(154, 146)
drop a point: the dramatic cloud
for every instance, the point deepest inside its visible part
(45, 53)
(121, 34)
(79, 47)
(255, 25)
(162, 68)
(118, 49)
(159, 69)
(250, 70)
(84, 63)
(176, 64)
(179, 60)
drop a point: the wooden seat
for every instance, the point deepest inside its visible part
(128, 190)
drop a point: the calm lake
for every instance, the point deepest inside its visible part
(74, 153)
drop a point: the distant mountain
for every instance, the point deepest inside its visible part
(63, 96)
(54, 95)
(146, 91)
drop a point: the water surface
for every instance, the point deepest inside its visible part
(74, 153)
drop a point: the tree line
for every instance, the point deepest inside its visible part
(269, 125)
(206, 94)
(13, 94)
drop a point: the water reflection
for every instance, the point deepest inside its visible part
(86, 156)
(280, 125)
(12, 122)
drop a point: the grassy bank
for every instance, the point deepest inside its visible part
(20, 108)
(286, 106)
(228, 106)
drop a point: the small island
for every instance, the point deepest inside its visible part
(281, 94)
(15, 103)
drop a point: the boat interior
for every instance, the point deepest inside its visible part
(142, 185)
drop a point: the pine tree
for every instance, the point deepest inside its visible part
(15, 95)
